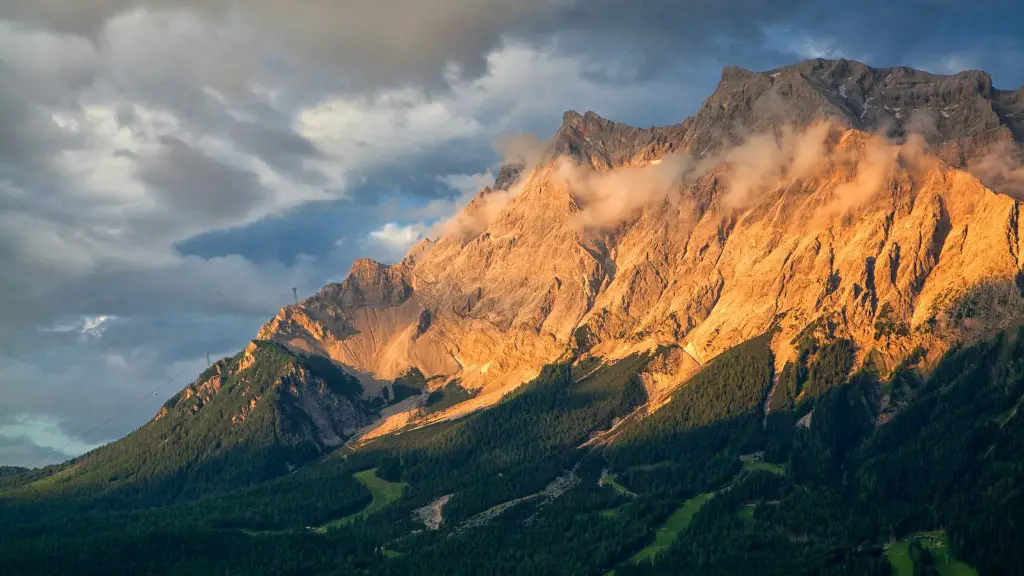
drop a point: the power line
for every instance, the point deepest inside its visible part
(117, 415)
(155, 392)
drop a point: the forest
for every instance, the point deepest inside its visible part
(815, 486)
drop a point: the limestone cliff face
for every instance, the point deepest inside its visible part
(624, 238)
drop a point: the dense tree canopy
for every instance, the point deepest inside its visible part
(821, 485)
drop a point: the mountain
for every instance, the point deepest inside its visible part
(783, 334)
(641, 245)
(246, 419)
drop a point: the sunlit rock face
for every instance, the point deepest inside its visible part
(871, 200)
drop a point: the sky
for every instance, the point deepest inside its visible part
(170, 170)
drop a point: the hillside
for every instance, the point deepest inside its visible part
(782, 337)
(246, 419)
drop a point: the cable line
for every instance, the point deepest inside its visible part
(154, 392)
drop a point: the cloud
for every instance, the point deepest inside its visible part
(610, 198)
(88, 327)
(39, 426)
(381, 43)
(850, 166)
(805, 44)
(763, 161)
(369, 45)
(45, 433)
(1001, 169)
(192, 184)
(402, 41)
(875, 165)
(395, 239)
(468, 184)
(923, 122)
(474, 218)
(521, 148)
(758, 165)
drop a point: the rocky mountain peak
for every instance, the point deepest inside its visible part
(369, 284)
(613, 250)
(592, 140)
(962, 115)
(507, 175)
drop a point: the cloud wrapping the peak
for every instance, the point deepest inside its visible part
(521, 148)
(607, 199)
(1001, 169)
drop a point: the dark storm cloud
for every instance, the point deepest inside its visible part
(310, 230)
(126, 115)
(273, 142)
(385, 41)
(28, 139)
(394, 42)
(193, 183)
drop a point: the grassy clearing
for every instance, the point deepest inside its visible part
(899, 558)
(746, 512)
(609, 479)
(935, 542)
(384, 493)
(669, 531)
(611, 513)
(681, 518)
(391, 553)
(749, 465)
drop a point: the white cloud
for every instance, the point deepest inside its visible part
(805, 44)
(395, 239)
(93, 327)
(87, 327)
(468, 184)
(950, 63)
